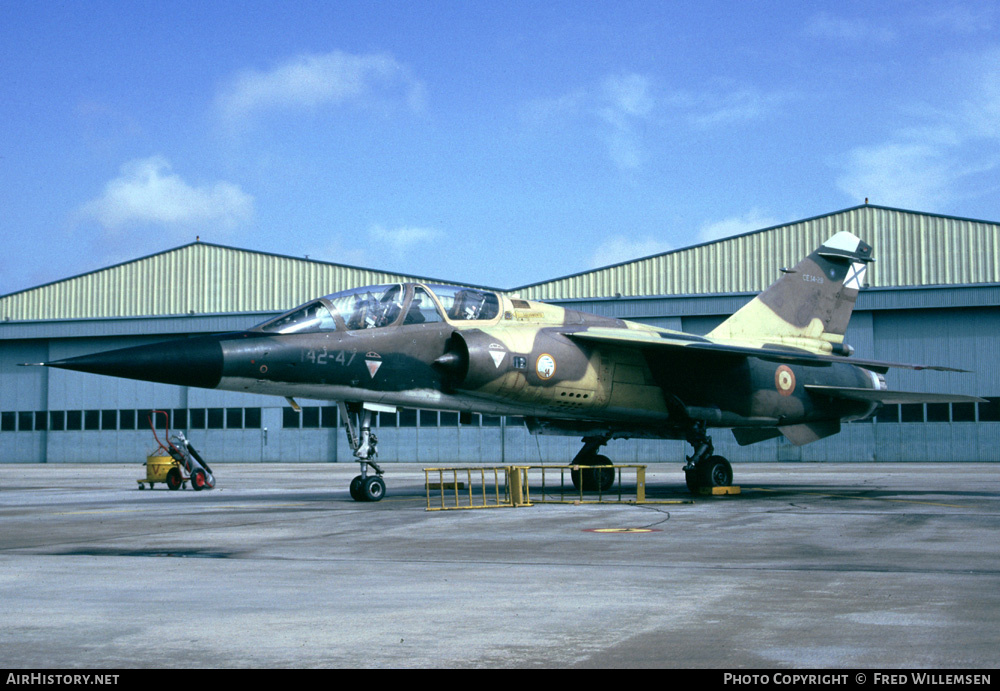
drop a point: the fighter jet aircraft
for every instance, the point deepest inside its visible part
(778, 366)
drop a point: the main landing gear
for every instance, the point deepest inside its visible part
(704, 469)
(364, 487)
(593, 479)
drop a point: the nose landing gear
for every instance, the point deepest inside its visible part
(364, 487)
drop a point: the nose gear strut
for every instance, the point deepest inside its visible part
(364, 487)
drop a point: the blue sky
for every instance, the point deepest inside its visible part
(495, 143)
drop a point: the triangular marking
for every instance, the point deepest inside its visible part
(373, 366)
(498, 356)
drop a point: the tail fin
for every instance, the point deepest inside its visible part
(810, 305)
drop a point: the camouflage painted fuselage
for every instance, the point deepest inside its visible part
(527, 362)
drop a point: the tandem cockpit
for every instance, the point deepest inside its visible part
(373, 307)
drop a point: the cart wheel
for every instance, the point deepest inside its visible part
(173, 479)
(142, 486)
(198, 480)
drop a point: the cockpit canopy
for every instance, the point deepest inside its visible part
(377, 306)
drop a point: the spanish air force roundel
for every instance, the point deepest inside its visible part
(784, 380)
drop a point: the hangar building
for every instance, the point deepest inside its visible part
(933, 298)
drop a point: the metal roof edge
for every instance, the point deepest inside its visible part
(103, 268)
(746, 234)
(872, 289)
(416, 278)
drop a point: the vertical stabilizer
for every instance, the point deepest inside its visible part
(811, 304)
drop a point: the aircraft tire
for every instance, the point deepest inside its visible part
(691, 478)
(373, 489)
(594, 479)
(714, 471)
(356, 488)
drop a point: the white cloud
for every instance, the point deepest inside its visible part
(742, 105)
(625, 102)
(148, 193)
(400, 243)
(626, 110)
(979, 113)
(626, 95)
(335, 251)
(615, 250)
(961, 20)
(824, 25)
(753, 220)
(618, 106)
(312, 81)
(942, 157)
(405, 237)
(909, 174)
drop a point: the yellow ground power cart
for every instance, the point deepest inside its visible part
(176, 462)
(162, 469)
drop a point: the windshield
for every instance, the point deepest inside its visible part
(312, 317)
(463, 304)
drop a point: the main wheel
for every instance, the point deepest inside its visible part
(594, 479)
(691, 479)
(373, 488)
(714, 471)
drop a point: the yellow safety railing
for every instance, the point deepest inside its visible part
(471, 488)
(475, 488)
(555, 484)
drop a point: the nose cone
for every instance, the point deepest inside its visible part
(184, 362)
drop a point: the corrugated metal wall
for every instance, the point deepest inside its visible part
(911, 249)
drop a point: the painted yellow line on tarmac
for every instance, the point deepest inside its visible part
(100, 512)
(622, 530)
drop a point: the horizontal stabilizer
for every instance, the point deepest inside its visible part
(890, 397)
(694, 344)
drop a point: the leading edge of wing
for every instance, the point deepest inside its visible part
(678, 342)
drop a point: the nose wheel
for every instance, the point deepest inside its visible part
(370, 488)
